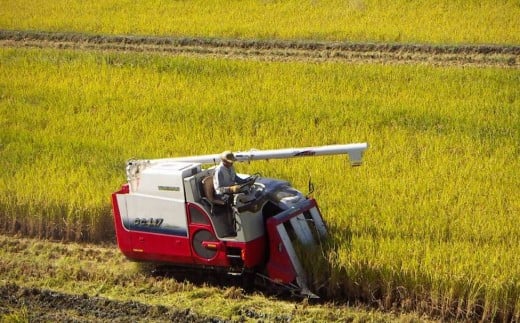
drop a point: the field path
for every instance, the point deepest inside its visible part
(276, 50)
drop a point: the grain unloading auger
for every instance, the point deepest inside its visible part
(167, 214)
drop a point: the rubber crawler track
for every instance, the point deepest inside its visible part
(276, 50)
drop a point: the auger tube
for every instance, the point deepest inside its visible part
(354, 151)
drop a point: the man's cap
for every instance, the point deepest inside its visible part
(228, 156)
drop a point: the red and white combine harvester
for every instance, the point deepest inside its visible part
(167, 214)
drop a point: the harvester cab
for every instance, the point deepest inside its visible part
(167, 213)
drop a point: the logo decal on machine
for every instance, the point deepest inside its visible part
(155, 225)
(150, 222)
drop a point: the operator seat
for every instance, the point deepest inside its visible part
(209, 192)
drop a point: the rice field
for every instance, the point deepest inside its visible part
(419, 21)
(428, 223)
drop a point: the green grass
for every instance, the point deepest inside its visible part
(439, 22)
(427, 222)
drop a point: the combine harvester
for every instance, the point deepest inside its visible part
(167, 214)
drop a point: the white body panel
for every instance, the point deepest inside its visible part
(249, 226)
(162, 179)
(154, 214)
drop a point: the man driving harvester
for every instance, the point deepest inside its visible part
(225, 179)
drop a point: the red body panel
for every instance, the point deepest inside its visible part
(122, 235)
(279, 268)
(160, 248)
(255, 252)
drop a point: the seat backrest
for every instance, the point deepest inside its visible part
(209, 190)
(207, 187)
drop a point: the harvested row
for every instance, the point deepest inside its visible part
(276, 50)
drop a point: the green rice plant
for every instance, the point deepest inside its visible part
(439, 21)
(427, 222)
